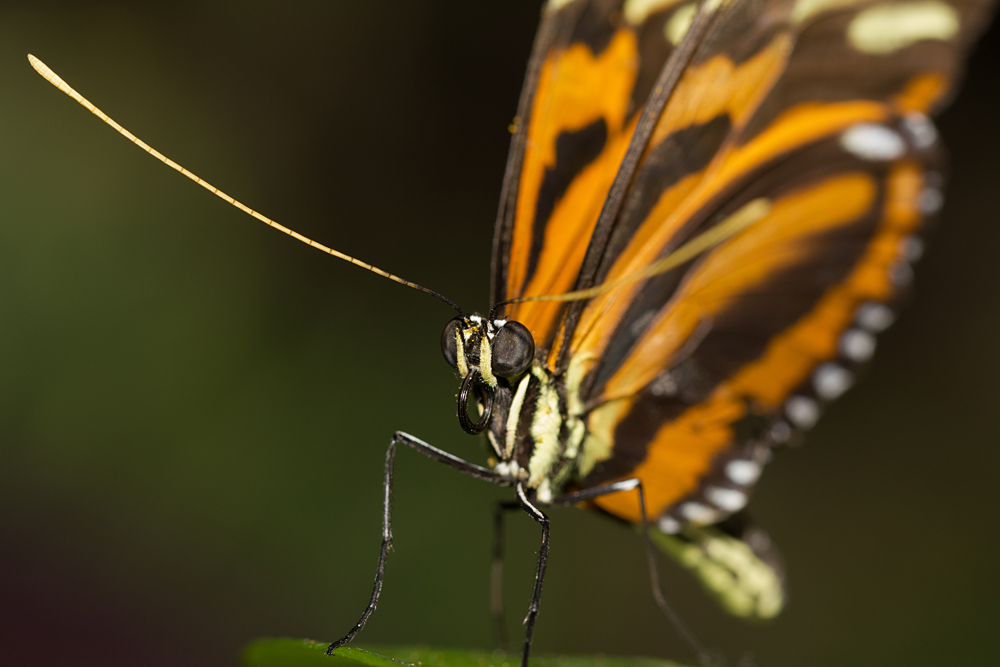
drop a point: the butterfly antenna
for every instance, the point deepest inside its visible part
(58, 82)
(744, 217)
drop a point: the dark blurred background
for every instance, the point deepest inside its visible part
(194, 409)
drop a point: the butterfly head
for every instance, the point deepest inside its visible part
(485, 352)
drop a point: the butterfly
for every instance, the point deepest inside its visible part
(658, 385)
(643, 125)
(671, 362)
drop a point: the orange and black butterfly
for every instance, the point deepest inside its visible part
(709, 211)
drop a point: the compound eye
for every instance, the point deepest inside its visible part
(449, 347)
(513, 350)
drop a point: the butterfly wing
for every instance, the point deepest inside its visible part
(818, 108)
(593, 68)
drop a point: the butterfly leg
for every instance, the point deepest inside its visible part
(496, 574)
(543, 559)
(543, 550)
(390, 456)
(654, 572)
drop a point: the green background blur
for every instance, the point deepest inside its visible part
(194, 409)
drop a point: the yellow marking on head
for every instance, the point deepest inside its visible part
(885, 29)
(59, 83)
(514, 416)
(460, 362)
(675, 29)
(486, 361)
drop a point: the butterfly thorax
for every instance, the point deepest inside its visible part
(538, 434)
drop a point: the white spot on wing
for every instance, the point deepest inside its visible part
(911, 248)
(901, 273)
(873, 142)
(831, 380)
(921, 129)
(802, 411)
(874, 316)
(886, 28)
(697, 512)
(743, 472)
(930, 201)
(663, 385)
(730, 500)
(669, 525)
(857, 345)
(781, 432)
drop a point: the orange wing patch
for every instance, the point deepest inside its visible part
(922, 93)
(793, 354)
(678, 458)
(713, 89)
(798, 126)
(575, 89)
(683, 449)
(719, 86)
(775, 242)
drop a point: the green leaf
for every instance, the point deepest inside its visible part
(308, 653)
